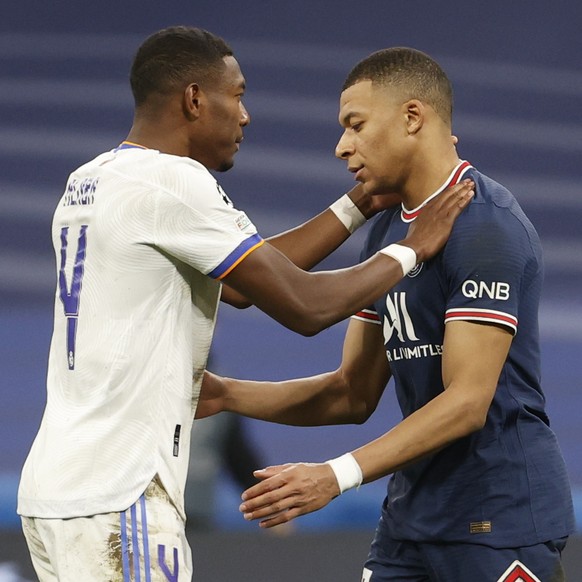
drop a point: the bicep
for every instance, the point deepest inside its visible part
(267, 279)
(364, 363)
(234, 298)
(473, 357)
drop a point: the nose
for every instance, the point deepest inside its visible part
(343, 149)
(245, 118)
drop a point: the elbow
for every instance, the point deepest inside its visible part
(309, 331)
(361, 404)
(241, 304)
(360, 417)
(234, 298)
(472, 417)
(362, 410)
(476, 423)
(307, 323)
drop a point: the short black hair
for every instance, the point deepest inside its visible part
(410, 70)
(174, 57)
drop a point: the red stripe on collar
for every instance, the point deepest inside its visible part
(454, 179)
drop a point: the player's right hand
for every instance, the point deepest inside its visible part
(288, 491)
(431, 229)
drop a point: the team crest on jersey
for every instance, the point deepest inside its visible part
(518, 572)
(416, 271)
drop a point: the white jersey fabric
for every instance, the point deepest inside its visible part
(141, 239)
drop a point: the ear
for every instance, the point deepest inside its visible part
(191, 101)
(415, 112)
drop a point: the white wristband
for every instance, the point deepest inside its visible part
(403, 254)
(348, 213)
(347, 472)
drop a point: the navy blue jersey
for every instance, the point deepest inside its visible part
(506, 484)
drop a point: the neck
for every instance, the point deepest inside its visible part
(429, 172)
(156, 136)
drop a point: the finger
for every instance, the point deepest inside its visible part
(271, 497)
(271, 483)
(270, 471)
(270, 507)
(466, 198)
(460, 189)
(457, 196)
(463, 195)
(452, 192)
(281, 518)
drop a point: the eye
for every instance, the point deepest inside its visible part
(356, 127)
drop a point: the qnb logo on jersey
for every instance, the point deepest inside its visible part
(398, 319)
(494, 290)
(518, 572)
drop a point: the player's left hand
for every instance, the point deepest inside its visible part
(288, 491)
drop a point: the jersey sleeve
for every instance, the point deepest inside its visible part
(197, 223)
(485, 264)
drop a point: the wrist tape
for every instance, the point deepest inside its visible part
(348, 213)
(403, 254)
(347, 472)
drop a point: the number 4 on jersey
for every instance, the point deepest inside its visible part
(71, 296)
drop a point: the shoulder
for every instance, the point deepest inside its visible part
(177, 172)
(494, 215)
(172, 179)
(493, 234)
(154, 167)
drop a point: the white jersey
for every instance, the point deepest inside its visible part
(141, 239)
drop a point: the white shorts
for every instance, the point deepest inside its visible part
(145, 543)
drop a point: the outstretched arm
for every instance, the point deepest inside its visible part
(347, 395)
(473, 356)
(310, 302)
(309, 243)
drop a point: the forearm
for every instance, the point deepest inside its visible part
(443, 420)
(309, 243)
(287, 491)
(306, 302)
(309, 302)
(315, 401)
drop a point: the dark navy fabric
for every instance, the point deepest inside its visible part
(397, 561)
(505, 485)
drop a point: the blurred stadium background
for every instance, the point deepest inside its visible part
(64, 97)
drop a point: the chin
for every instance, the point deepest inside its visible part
(379, 189)
(225, 166)
(370, 188)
